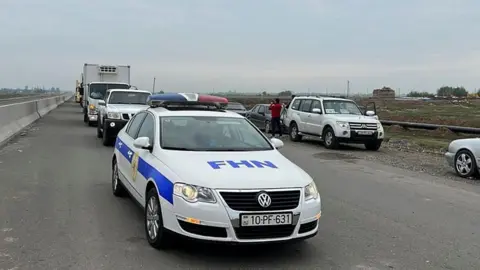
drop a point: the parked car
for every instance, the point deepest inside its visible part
(333, 120)
(236, 107)
(261, 117)
(464, 155)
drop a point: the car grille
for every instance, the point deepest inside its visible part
(247, 201)
(126, 116)
(369, 126)
(262, 232)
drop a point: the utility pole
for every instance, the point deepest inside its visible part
(153, 90)
(348, 88)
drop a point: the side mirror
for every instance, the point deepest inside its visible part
(142, 143)
(369, 113)
(317, 110)
(101, 103)
(277, 143)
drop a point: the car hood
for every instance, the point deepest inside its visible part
(126, 108)
(354, 118)
(194, 168)
(470, 142)
(237, 111)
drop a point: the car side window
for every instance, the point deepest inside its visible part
(296, 104)
(316, 105)
(261, 109)
(148, 128)
(255, 109)
(134, 125)
(306, 104)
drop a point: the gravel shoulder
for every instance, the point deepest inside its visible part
(399, 154)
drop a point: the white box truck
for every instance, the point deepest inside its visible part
(96, 80)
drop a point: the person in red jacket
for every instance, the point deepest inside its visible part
(276, 109)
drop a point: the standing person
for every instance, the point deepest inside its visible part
(276, 109)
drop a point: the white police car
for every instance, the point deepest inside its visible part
(209, 174)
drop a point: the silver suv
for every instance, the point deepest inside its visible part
(334, 120)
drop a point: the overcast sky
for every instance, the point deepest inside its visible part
(245, 45)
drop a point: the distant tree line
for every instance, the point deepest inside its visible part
(444, 91)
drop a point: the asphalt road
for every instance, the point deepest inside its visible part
(57, 212)
(18, 99)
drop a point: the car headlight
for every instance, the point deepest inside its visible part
(343, 124)
(192, 193)
(311, 192)
(91, 106)
(113, 115)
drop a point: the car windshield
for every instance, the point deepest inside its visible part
(98, 90)
(235, 106)
(205, 133)
(341, 107)
(128, 98)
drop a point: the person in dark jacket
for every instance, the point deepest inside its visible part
(276, 109)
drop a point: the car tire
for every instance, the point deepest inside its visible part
(465, 164)
(106, 140)
(157, 236)
(267, 127)
(99, 131)
(117, 187)
(373, 146)
(329, 139)
(293, 132)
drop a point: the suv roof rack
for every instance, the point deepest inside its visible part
(319, 96)
(187, 101)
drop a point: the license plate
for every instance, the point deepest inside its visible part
(365, 132)
(266, 219)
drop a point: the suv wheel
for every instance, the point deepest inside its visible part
(106, 140)
(293, 132)
(156, 234)
(329, 139)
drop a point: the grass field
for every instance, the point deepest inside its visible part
(442, 112)
(461, 113)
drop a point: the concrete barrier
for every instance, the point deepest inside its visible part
(17, 116)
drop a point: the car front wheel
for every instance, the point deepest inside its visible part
(465, 165)
(157, 236)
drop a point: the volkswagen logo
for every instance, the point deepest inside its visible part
(264, 200)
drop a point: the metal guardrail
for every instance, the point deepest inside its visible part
(456, 129)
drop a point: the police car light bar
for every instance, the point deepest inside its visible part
(184, 100)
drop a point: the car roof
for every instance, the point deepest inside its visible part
(129, 90)
(323, 98)
(159, 111)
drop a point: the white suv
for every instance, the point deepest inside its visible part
(334, 120)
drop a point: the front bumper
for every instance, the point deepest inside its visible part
(355, 136)
(219, 223)
(92, 117)
(450, 158)
(113, 126)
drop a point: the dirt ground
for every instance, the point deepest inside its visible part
(435, 141)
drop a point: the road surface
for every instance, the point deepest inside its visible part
(18, 99)
(57, 212)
